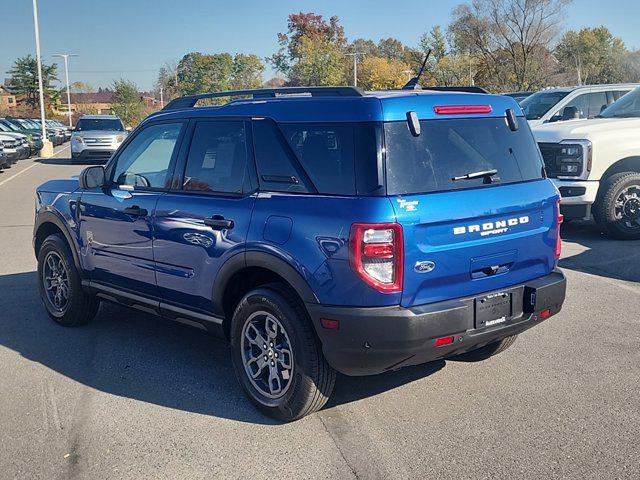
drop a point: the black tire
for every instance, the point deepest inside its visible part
(487, 351)
(607, 212)
(311, 380)
(80, 307)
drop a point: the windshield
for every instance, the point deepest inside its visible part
(448, 150)
(540, 103)
(99, 124)
(627, 106)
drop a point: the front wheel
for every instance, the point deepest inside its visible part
(617, 210)
(60, 286)
(277, 356)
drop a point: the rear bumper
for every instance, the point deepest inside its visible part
(374, 340)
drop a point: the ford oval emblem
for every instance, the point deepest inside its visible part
(424, 266)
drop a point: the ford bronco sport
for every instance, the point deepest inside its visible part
(318, 229)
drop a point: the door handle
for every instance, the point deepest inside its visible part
(218, 222)
(135, 211)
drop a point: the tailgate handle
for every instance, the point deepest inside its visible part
(491, 270)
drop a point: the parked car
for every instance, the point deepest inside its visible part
(55, 134)
(519, 96)
(96, 137)
(319, 229)
(596, 166)
(4, 160)
(570, 103)
(21, 137)
(34, 137)
(14, 148)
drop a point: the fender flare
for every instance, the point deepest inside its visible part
(264, 260)
(51, 216)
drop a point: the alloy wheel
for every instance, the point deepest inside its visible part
(267, 355)
(55, 279)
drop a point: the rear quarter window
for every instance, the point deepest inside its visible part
(453, 148)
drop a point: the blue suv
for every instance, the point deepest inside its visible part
(318, 229)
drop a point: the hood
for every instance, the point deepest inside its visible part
(14, 135)
(585, 129)
(100, 133)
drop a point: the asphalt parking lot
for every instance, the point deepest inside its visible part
(133, 396)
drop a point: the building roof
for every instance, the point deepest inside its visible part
(94, 97)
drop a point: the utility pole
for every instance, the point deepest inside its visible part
(66, 73)
(355, 66)
(161, 99)
(47, 148)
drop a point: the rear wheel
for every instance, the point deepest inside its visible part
(617, 209)
(487, 351)
(60, 287)
(277, 356)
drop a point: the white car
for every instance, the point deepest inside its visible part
(14, 148)
(570, 103)
(596, 166)
(96, 137)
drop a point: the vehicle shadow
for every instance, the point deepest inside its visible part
(598, 253)
(67, 161)
(131, 354)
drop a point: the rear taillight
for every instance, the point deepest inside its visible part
(559, 220)
(376, 255)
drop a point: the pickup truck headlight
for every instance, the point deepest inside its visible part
(77, 140)
(119, 138)
(574, 158)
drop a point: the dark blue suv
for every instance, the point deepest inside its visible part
(318, 229)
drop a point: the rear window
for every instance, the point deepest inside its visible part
(453, 148)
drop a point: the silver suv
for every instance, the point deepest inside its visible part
(96, 137)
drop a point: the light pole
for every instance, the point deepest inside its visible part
(355, 66)
(66, 74)
(47, 147)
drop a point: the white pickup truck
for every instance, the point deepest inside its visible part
(595, 164)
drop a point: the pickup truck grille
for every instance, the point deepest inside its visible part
(550, 153)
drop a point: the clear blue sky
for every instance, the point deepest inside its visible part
(132, 39)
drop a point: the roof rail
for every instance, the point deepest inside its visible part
(457, 89)
(190, 100)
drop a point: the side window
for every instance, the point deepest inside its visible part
(597, 100)
(145, 161)
(580, 104)
(217, 160)
(326, 152)
(277, 171)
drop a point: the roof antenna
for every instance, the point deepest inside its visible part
(413, 83)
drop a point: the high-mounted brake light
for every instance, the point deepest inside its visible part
(560, 219)
(461, 109)
(376, 255)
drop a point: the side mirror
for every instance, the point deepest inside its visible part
(92, 177)
(570, 113)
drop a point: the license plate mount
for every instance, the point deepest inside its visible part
(493, 309)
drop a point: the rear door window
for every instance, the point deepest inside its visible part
(326, 152)
(453, 148)
(217, 160)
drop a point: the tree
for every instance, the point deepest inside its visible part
(376, 73)
(512, 39)
(311, 51)
(247, 71)
(24, 81)
(126, 102)
(446, 67)
(320, 63)
(202, 73)
(593, 54)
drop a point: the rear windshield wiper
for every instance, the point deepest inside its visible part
(486, 175)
